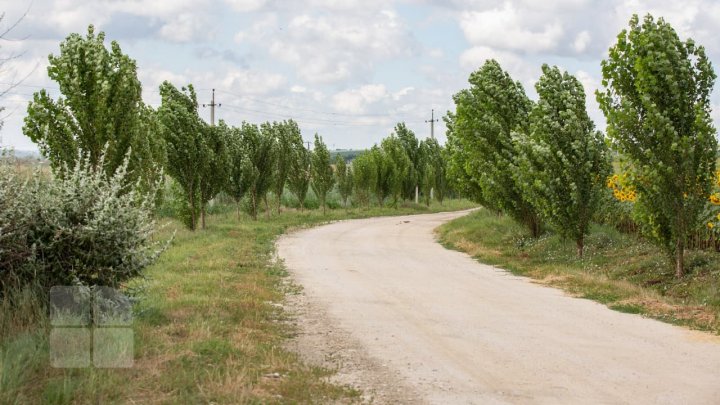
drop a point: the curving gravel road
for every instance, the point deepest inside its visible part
(450, 330)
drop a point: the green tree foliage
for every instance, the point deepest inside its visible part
(214, 170)
(657, 105)
(260, 144)
(241, 172)
(266, 180)
(434, 157)
(564, 163)
(148, 156)
(398, 165)
(442, 186)
(183, 131)
(344, 178)
(364, 177)
(287, 133)
(299, 176)
(101, 112)
(323, 178)
(486, 116)
(460, 166)
(428, 182)
(383, 174)
(411, 146)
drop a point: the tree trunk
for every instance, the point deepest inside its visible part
(534, 226)
(279, 201)
(679, 258)
(237, 205)
(193, 220)
(417, 194)
(254, 205)
(202, 215)
(580, 242)
(267, 207)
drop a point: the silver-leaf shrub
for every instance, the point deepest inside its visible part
(83, 227)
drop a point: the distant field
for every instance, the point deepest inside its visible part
(347, 154)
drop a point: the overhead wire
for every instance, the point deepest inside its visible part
(262, 113)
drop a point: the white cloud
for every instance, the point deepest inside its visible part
(581, 41)
(329, 48)
(508, 28)
(436, 53)
(187, 27)
(356, 100)
(246, 6)
(402, 93)
(249, 81)
(240, 36)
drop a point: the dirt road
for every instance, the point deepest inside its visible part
(444, 329)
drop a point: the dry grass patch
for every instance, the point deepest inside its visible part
(618, 270)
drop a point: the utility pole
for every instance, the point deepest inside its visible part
(212, 106)
(432, 122)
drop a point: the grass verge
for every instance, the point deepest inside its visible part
(621, 271)
(208, 327)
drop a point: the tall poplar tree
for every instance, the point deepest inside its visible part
(241, 174)
(657, 104)
(323, 178)
(398, 164)
(260, 144)
(215, 168)
(287, 134)
(300, 173)
(364, 177)
(564, 163)
(486, 116)
(183, 132)
(100, 113)
(344, 178)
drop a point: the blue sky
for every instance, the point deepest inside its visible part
(348, 70)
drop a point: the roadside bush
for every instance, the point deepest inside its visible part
(83, 228)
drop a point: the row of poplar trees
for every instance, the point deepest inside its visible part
(400, 168)
(543, 163)
(248, 161)
(101, 116)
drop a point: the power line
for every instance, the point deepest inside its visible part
(308, 109)
(312, 121)
(305, 120)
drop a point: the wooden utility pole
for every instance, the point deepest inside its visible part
(212, 106)
(432, 122)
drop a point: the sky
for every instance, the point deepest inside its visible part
(347, 70)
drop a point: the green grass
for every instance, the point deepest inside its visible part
(207, 329)
(619, 270)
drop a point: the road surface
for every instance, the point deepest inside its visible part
(447, 329)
